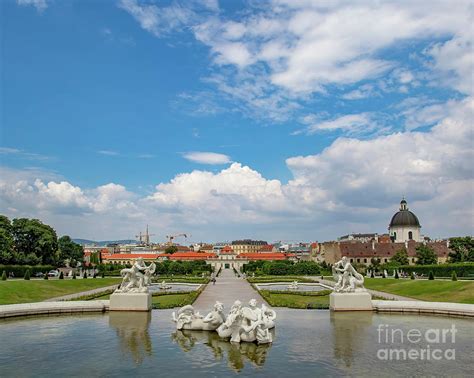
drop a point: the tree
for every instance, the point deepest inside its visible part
(454, 276)
(4, 276)
(27, 275)
(401, 257)
(70, 251)
(61, 275)
(462, 249)
(412, 276)
(6, 240)
(431, 275)
(425, 255)
(32, 236)
(396, 275)
(171, 249)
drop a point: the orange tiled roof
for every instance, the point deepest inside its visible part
(191, 256)
(128, 256)
(263, 256)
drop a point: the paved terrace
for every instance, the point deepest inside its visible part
(227, 289)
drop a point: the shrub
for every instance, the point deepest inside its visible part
(61, 276)
(84, 275)
(372, 274)
(27, 275)
(20, 270)
(442, 270)
(45, 277)
(73, 275)
(103, 275)
(396, 275)
(412, 276)
(454, 276)
(431, 276)
(4, 276)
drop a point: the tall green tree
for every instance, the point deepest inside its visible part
(70, 251)
(401, 257)
(6, 241)
(32, 236)
(425, 255)
(462, 249)
(171, 249)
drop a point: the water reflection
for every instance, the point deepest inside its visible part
(237, 354)
(132, 332)
(349, 329)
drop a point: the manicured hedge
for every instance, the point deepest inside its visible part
(20, 270)
(441, 270)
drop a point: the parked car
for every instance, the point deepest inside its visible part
(39, 274)
(53, 273)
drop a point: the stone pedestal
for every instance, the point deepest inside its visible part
(361, 301)
(130, 302)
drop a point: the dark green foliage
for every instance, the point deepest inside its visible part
(103, 275)
(4, 276)
(425, 255)
(372, 274)
(84, 275)
(396, 275)
(454, 276)
(431, 276)
(45, 277)
(400, 257)
(441, 270)
(61, 276)
(27, 275)
(462, 249)
(412, 276)
(69, 251)
(282, 268)
(171, 249)
(20, 270)
(73, 275)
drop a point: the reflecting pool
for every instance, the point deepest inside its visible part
(173, 287)
(285, 286)
(306, 343)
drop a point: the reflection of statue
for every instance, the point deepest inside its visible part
(187, 318)
(137, 278)
(348, 329)
(346, 277)
(242, 324)
(237, 354)
(132, 329)
(293, 285)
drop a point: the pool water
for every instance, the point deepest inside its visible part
(302, 287)
(307, 343)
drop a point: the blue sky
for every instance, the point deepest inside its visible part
(278, 120)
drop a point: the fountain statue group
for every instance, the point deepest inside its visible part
(293, 285)
(250, 323)
(346, 277)
(137, 278)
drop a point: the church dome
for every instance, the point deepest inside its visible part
(404, 217)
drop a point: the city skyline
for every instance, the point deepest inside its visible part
(279, 120)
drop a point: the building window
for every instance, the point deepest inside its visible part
(358, 260)
(410, 235)
(385, 260)
(395, 235)
(365, 260)
(352, 260)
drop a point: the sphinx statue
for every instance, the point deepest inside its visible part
(164, 286)
(187, 318)
(346, 277)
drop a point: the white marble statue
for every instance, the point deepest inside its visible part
(164, 286)
(346, 277)
(137, 278)
(249, 324)
(187, 318)
(293, 285)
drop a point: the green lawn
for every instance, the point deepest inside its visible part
(301, 300)
(434, 291)
(21, 291)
